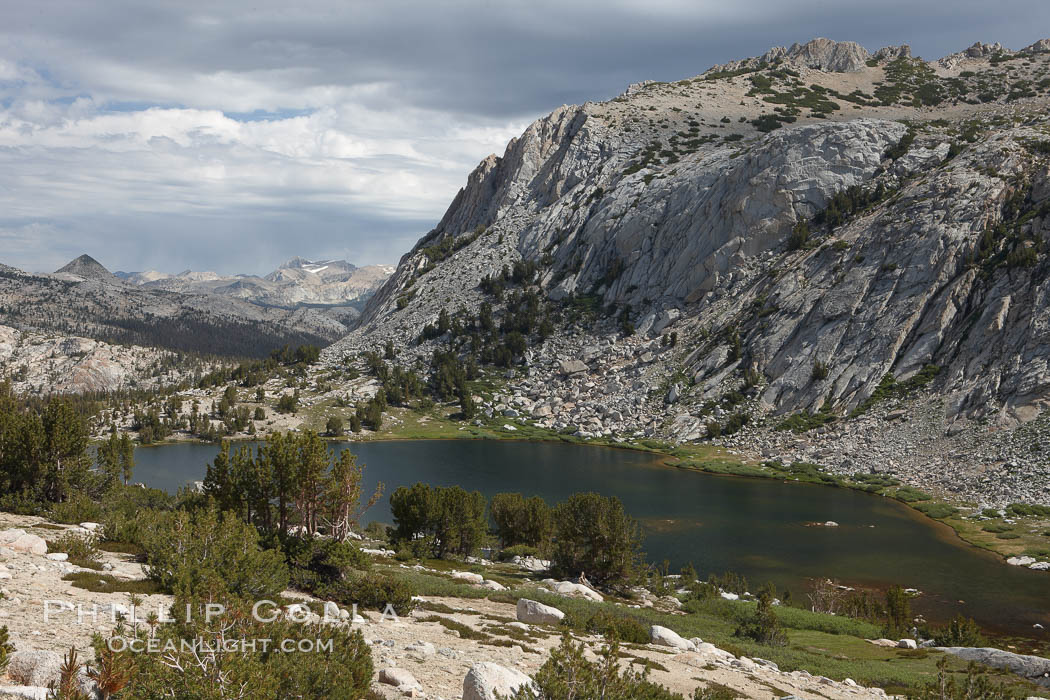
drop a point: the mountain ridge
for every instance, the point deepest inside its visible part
(818, 242)
(296, 282)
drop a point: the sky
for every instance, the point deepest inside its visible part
(231, 136)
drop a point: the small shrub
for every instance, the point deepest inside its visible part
(715, 691)
(518, 550)
(567, 674)
(938, 511)
(614, 626)
(339, 667)
(104, 583)
(820, 370)
(1027, 510)
(82, 549)
(77, 508)
(959, 632)
(374, 591)
(334, 426)
(764, 627)
(901, 147)
(974, 685)
(314, 563)
(911, 495)
(206, 551)
(5, 649)
(377, 531)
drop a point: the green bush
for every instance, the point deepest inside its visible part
(975, 685)
(1027, 510)
(104, 583)
(937, 510)
(78, 508)
(342, 673)
(996, 527)
(567, 675)
(206, 551)
(313, 562)
(901, 147)
(959, 632)
(82, 549)
(613, 625)
(521, 521)
(377, 531)
(451, 519)
(898, 611)
(764, 627)
(911, 495)
(594, 536)
(373, 591)
(5, 649)
(518, 550)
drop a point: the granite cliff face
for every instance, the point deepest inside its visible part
(816, 240)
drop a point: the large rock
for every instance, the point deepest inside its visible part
(399, 678)
(572, 366)
(21, 692)
(33, 667)
(536, 613)
(486, 679)
(1034, 668)
(10, 535)
(32, 544)
(575, 590)
(467, 576)
(664, 637)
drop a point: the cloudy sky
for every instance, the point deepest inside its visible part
(229, 136)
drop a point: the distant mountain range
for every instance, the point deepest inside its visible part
(300, 302)
(295, 283)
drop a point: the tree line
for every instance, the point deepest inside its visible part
(292, 482)
(587, 535)
(45, 455)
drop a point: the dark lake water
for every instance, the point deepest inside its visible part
(756, 527)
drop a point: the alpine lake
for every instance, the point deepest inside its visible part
(764, 529)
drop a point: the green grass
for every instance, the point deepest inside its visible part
(122, 548)
(104, 583)
(821, 644)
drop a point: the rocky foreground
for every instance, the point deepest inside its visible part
(415, 656)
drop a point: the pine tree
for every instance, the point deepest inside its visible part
(127, 457)
(342, 496)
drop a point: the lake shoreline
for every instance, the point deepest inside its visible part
(705, 459)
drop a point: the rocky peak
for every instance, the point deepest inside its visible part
(888, 53)
(680, 205)
(816, 54)
(1041, 46)
(981, 50)
(86, 267)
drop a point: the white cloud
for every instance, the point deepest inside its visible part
(76, 163)
(123, 130)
